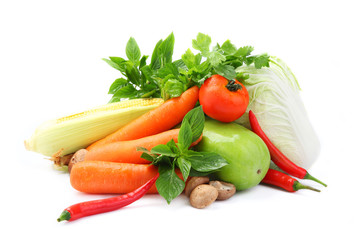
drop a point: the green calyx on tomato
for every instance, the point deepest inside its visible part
(222, 99)
(233, 86)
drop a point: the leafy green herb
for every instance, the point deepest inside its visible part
(133, 50)
(171, 155)
(222, 60)
(166, 78)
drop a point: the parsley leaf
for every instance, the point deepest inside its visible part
(244, 51)
(202, 43)
(228, 48)
(262, 61)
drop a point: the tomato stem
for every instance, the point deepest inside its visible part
(233, 86)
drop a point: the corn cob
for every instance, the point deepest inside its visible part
(66, 135)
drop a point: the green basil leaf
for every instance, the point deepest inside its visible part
(133, 51)
(155, 58)
(125, 92)
(169, 185)
(179, 64)
(185, 136)
(163, 149)
(196, 119)
(194, 173)
(142, 149)
(172, 145)
(184, 166)
(168, 69)
(114, 65)
(120, 62)
(148, 73)
(143, 61)
(205, 161)
(117, 84)
(114, 99)
(148, 157)
(132, 73)
(146, 154)
(162, 160)
(166, 50)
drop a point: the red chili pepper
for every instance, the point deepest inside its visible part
(88, 208)
(278, 157)
(284, 181)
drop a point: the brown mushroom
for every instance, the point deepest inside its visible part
(194, 182)
(203, 195)
(225, 190)
(77, 157)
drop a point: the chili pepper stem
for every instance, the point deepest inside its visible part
(308, 176)
(297, 185)
(65, 215)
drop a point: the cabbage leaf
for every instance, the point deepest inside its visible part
(275, 99)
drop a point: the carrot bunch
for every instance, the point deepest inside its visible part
(114, 165)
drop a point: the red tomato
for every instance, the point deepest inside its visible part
(222, 99)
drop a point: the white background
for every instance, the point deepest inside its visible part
(50, 66)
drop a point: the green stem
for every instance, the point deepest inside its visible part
(297, 185)
(65, 215)
(146, 95)
(308, 176)
(233, 86)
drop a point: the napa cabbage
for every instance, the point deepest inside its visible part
(275, 99)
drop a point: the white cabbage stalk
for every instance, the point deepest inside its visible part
(276, 102)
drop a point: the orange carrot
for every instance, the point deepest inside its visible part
(111, 177)
(158, 120)
(126, 151)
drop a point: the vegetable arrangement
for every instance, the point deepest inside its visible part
(189, 125)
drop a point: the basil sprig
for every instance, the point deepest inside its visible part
(173, 155)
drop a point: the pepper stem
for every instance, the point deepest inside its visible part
(65, 215)
(308, 176)
(297, 185)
